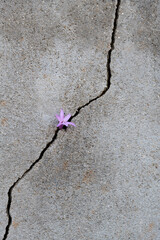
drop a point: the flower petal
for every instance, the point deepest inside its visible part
(66, 118)
(59, 124)
(71, 124)
(58, 117)
(61, 114)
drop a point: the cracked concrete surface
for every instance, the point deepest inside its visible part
(100, 180)
(53, 55)
(106, 88)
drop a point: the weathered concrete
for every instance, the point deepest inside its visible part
(101, 180)
(53, 55)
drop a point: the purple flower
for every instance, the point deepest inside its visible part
(63, 120)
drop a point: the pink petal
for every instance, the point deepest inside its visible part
(71, 124)
(59, 124)
(61, 114)
(58, 117)
(66, 118)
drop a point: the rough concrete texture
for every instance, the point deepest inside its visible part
(53, 55)
(99, 180)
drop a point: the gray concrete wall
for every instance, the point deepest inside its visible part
(99, 61)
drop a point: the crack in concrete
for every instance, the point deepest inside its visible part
(108, 65)
(109, 75)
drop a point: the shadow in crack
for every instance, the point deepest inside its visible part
(76, 113)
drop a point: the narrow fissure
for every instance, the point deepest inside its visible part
(109, 75)
(108, 65)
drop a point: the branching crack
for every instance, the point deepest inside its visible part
(109, 75)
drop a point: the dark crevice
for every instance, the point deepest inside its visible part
(109, 75)
(108, 65)
(23, 175)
